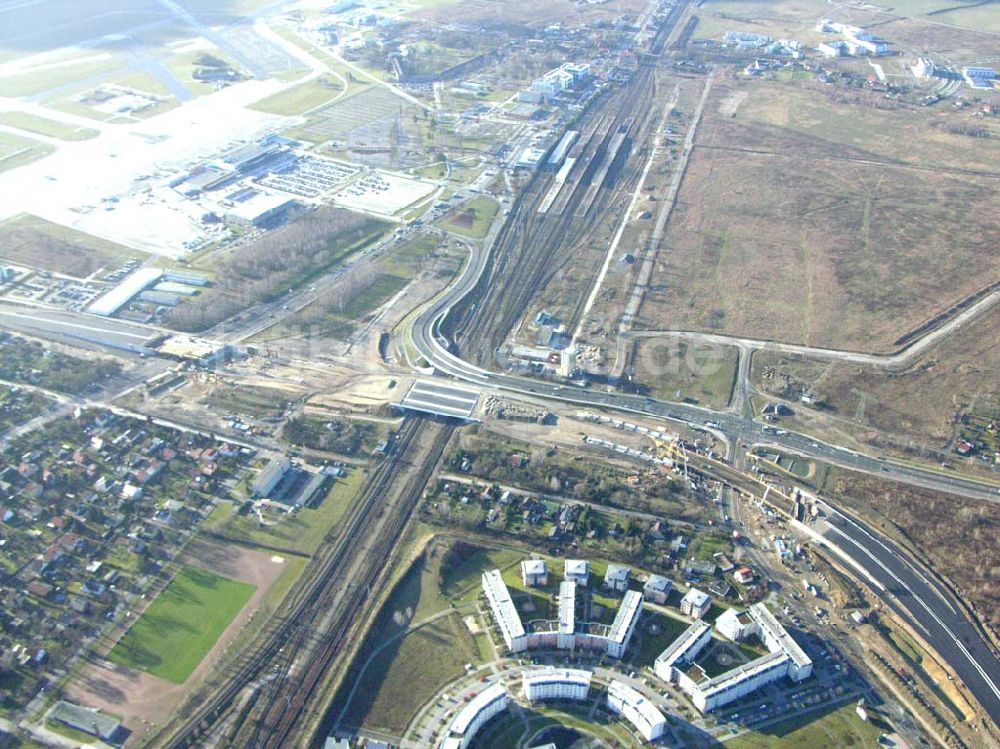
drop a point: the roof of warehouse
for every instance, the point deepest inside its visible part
(442, 398)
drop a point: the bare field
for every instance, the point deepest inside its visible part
(528, 11)
(38, 243)
(783, 235)
(958, 535)
(921, 402)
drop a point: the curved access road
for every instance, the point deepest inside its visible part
(923, 601)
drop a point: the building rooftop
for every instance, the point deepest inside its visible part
(631, 607)
(475, 706)
(737, 674)
(85, 719)
(658, 583)
(776, 636)
(533, 567)
(505, 611)
(696, 598)
(617, 572)
(686, 647)
(558, 675)
(630, 697)
(112, 301)
(567, 607)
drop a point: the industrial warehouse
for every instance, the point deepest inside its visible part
(677, 664)
(564, 633)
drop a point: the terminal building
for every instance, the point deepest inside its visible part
(556, 684)
(637, 710)
(564, 633)
(785, 658)
(477, 712)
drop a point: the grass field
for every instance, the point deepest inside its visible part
(352, 111)
(673, 370)
(42, 244)
(839, 729)
(39, 81)
(44, 126)
(799, 240)
(16, 151)
(472, 219)
(179, 628)
(404, 674)
(303, 98)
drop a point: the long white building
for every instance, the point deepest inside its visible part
(504, 612)
(477, 712)
(683, 650)
(556, 684)
(624, 625)
(637, 710)
(784, 658)
(565, 633)
(566, 639)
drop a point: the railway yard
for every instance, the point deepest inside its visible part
(400, 319)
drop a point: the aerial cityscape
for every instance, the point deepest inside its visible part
(499, 374)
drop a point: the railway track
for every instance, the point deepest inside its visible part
(532, 247)
(318, 614)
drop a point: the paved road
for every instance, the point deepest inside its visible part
(916, 597)
(921, 601)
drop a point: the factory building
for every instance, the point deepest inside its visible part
(504, 612)
(477, 712)
(979, 77)
(637, 710)
(556, 684)
(260, 211)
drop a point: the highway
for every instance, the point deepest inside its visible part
(896, 578)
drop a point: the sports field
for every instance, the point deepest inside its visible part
(179, 628)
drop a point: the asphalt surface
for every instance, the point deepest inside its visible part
(917, 598)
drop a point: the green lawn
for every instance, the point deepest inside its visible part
(45, 126)
(178, 629)
(16, 151)
(840, 729)
(303, 531)
(472, 219)
(302, 98)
